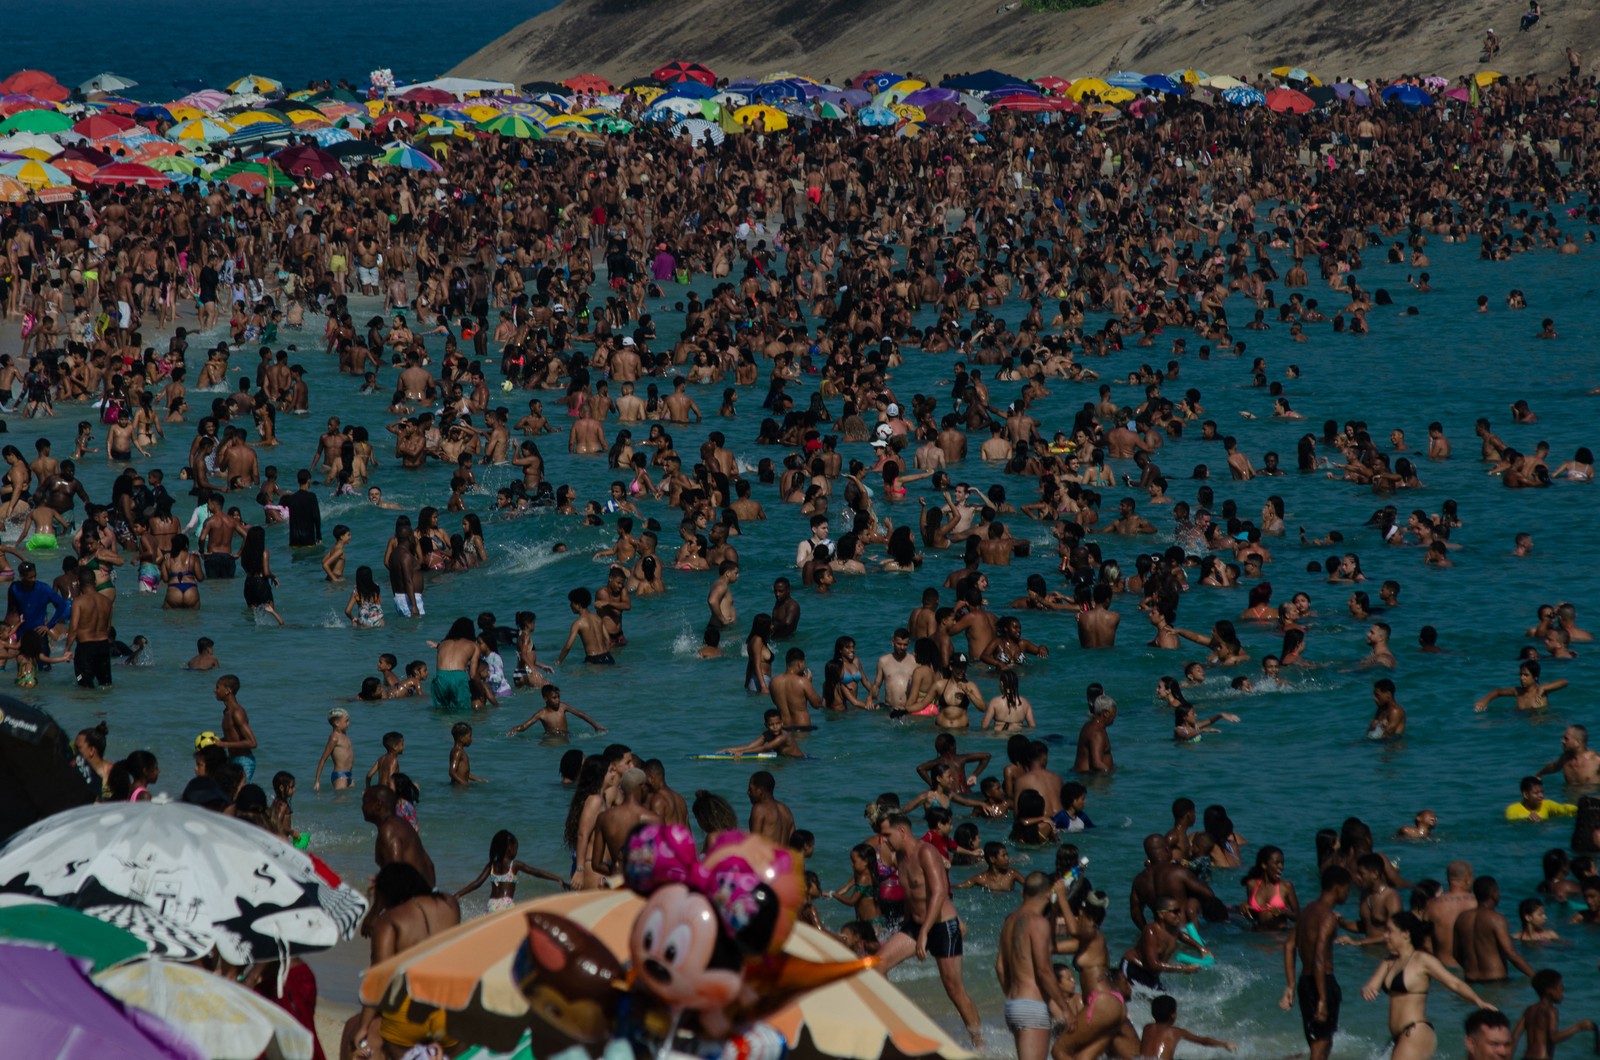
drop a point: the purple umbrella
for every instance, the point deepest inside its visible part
(1345, 90)
(923, 97)
(857, 97)
(944, 112)
(50, 1008)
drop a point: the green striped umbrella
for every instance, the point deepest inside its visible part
(69, 931)
(512, 125)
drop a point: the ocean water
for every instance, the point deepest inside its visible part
(1297, 762)
(156, 42)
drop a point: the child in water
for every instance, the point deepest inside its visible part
(501, 873)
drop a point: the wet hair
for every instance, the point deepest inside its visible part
(713, 813)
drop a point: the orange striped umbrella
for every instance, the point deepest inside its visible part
(460, 982)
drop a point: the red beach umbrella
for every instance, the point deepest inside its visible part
(131, 173)
(681, 71)
(1289, 101)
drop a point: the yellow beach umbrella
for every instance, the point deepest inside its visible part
(556, 121)
(480, 112)
(774, 119)
(35, 174)
(1118, 95)
(299, 114)
(206, 130)
(1486, 77)
(1296, 73)
(375, 107)
(184, 112)
(648, 93)
(908, 112)
(907, 86)
(1085, 86)
(257, 117)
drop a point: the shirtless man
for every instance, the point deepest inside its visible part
(1165, 877)
(1443, 910)
(406, 910)
(668, 806)
(1378, 641)
(768, 816)
(1577, 763)
(1039, 778)
(895, 668)
(1094, 742)
(719, 601)
(397, 841)
(588, 627)
(611, 830)
(1157, 947)
(679, 404)
(793, 693)
(1482, 939)
(1097, 627)
(785, 610)
(1023, 964)
(1312, 941)
(587, 435)
(931, 925)
(89, 633)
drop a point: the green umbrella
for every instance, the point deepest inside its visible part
(523, 1051)
(71, 932)
(36, 121)
(175, 164)
(513, 125)
(609, 123)
(276, 176)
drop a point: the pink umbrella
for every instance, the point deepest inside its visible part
(1462, 94)
(433, 97)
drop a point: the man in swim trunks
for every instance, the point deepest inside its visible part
(1023, 966)
(587, 626)
(931, 926)
(1312, 941)
(89, 633)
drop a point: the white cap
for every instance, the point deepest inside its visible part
(628, 340)
(893, 409)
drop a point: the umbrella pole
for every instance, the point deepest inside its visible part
(672, 1033)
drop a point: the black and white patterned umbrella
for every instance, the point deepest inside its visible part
(202, 875)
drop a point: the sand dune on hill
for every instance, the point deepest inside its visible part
(836, 39)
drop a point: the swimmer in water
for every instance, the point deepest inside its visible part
(1530, 693)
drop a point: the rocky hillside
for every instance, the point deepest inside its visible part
(836, 39)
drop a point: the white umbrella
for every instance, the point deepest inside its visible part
(700, 130)
(220, 1016)
(256, 895)
(16, 143)
(106, 82)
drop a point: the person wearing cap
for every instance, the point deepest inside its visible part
(1094, 742)
(893, 420)
(30, 599)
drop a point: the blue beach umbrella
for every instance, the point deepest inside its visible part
(876, 116)
(1244, 96)
(1127, 79)
(1406, 96)
(1164, 84)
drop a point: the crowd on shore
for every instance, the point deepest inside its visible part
(1049, 254)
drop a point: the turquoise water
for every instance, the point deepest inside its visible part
(167, 40)
(1297, 762)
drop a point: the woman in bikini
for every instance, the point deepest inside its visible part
(1009, 711)
(1270, 901)
(183, 573)
(1404, 977)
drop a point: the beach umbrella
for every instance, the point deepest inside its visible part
(1051, 83)
(1287, 100)
(1127, 79)
(264, 86)
(13, 190)
(590, 84)
(699, 130)
(85, 153)
(449, 114)
(1165, 85)
(355, 150)
(106, 82)
(642, 82)
(797, 111)
(553, 101)
(514, 126)
(1243, 96)
(36, 922)
(33, 145)
(75, 168)
(982, 81)
(543, 86)
(204, 130)
(615, 126)
(261, 171)
(50, 1009)
(671, 110)
(431, 97)
(944, 113)
(1086, 86)
(834, 111)
(1295, 73)
(207, 99)
(255, 894)
(174, 165)
(1222, 82)
(304, 160)
(907, 113)
(36, 121)
(561, 121)
(217, 1014)
(260, 134)
(465, 974)
(924, 97)
(257, 117)
(1354, 93)
(1407, 96)
(36, 174)
(876, 116)
(682, 71)
(35, 83)
(99, 126)
(1460, 94)
(405, 156)
(773, 119)
(1035, 105)
(1487, 77)
(727, 98)
(330, 137)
